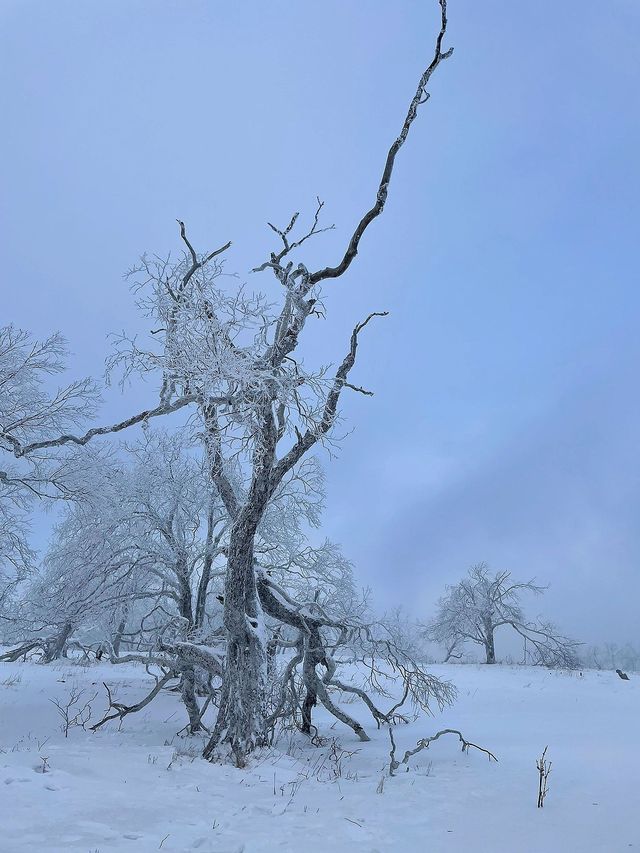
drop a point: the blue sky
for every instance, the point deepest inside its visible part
(505, 421)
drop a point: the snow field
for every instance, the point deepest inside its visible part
(141, 788)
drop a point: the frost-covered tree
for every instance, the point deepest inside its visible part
(141, 560)
(32, 408)
(152, 528)
(138, 535)
(232, 357)
(261, 410)
(483, 602)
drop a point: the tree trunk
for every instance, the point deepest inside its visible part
(188, 673)
(451, 652)
(205, 580)
(489, 645)
(203, 588)
(185, 605)
(240, 725)
(188, 693)
(272, 650)
(56, 649)
(117, 637)
(314, 654)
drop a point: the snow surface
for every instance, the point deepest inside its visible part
(144, 789)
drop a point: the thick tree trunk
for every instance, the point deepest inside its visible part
(240, 725)
(489, 646)
(56, 649)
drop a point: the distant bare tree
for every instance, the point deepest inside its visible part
(475, 608)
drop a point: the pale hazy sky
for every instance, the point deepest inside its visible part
(506, 417)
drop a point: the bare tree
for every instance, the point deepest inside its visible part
(475, 608)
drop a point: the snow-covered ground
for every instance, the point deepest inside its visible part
(144, 789)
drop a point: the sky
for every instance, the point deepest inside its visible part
(505, 418)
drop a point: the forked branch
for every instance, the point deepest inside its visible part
(310, 437)
(195, 263)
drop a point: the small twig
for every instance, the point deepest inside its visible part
(544, 768)
(72, 712)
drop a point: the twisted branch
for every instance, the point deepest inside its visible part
(424, 743)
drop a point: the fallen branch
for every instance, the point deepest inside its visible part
(121, 710)
(14, 654)
(424, 743)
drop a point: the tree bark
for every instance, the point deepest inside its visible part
(489, 645)
(117, 637)
(203, 588)
(240, 725)
(188, 673)
(185, 605)
(188, 693)
(56, 649)
(205, 579)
